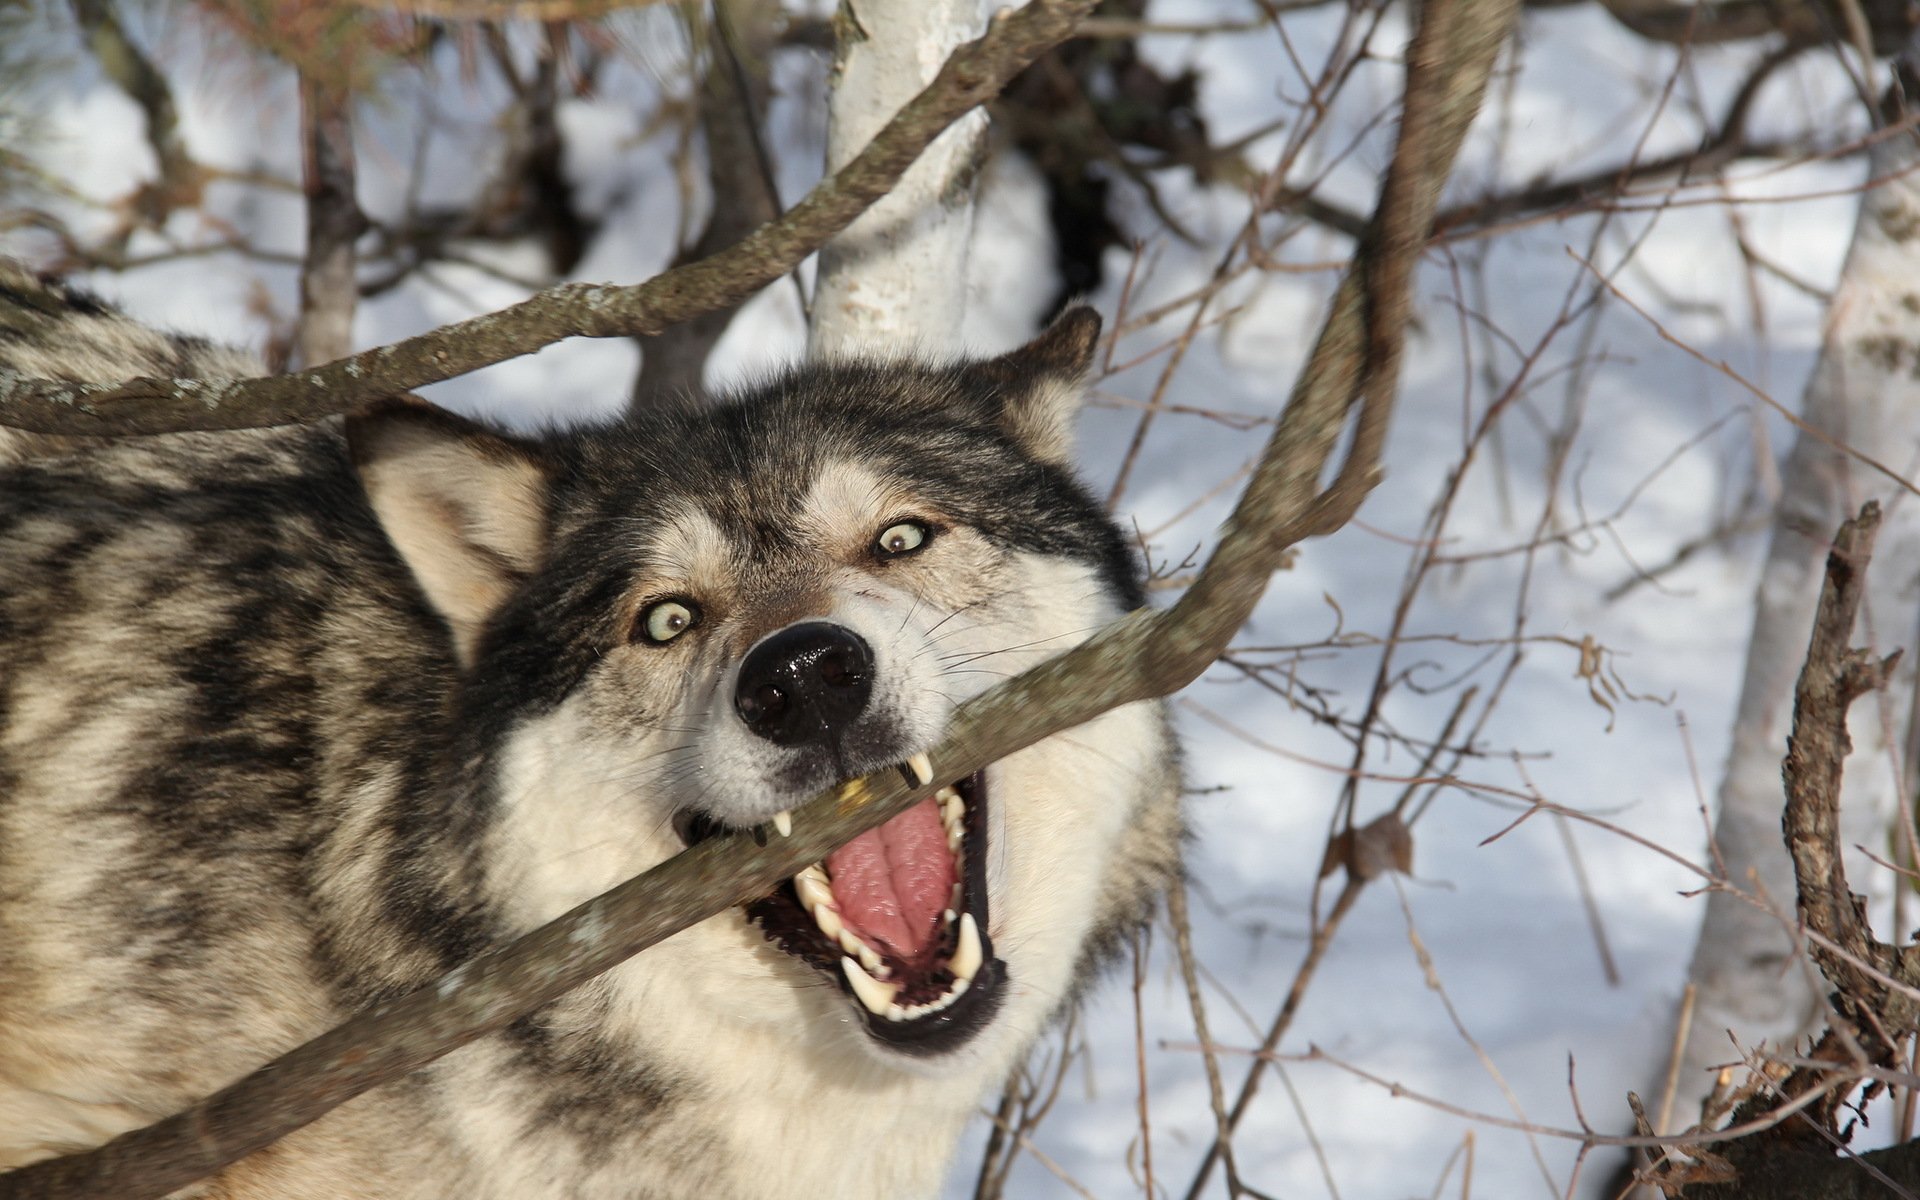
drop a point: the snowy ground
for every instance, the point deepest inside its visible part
(1513, 952)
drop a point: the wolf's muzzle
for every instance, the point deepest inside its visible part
(805, 683)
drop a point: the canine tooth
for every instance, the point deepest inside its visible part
(783, 822)
(828, 919)
(922, 768)
(814, 890)
(966, 957)
(875, 996)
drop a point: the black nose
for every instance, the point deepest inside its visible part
(805, 683)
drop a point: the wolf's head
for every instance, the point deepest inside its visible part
(702, 616)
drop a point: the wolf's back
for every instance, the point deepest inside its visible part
(51, 330)
(181, 618)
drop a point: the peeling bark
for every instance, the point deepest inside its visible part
(896, 278)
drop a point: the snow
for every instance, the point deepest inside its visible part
(1501, 916)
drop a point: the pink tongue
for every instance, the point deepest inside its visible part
(892, 884)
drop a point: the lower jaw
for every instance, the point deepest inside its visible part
(786, 923)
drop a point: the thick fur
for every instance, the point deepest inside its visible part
(291, 720)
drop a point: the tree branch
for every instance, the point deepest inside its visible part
(1833, 677)
(971, 76)
(1144, 655)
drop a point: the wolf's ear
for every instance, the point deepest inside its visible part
(465, 507)
(1042, 384)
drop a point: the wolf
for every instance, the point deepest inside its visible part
(294, 720)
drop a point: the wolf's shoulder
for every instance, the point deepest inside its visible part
(50, 329)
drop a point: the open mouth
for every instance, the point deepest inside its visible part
(898, 918)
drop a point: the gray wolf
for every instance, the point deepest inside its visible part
(296, 719)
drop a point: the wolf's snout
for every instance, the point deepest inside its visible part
(805, 682)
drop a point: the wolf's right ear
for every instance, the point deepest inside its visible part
(1042, 384)
(465, 507)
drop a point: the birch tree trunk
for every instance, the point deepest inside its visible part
(897, 277)
(1863, 400)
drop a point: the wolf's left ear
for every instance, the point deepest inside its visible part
(1042, 384)
(465, 507)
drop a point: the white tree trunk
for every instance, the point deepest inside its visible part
(896, 279)
(1865, 393)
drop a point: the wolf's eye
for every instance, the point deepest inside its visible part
(668, 619)
(901, 538)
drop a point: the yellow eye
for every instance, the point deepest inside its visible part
(667, 620)
(902, 538)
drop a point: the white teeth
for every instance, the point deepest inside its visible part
(953, 817)
(855, 948)
(783, 822)
(947, 916)
(896, 1013)
(816, 896)
(828, 919)
(922, 768)
(967, 957)
(877, 997)
(813, 888)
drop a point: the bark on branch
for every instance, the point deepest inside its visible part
(1144, 655)
(1833, 677)
(974, 74)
